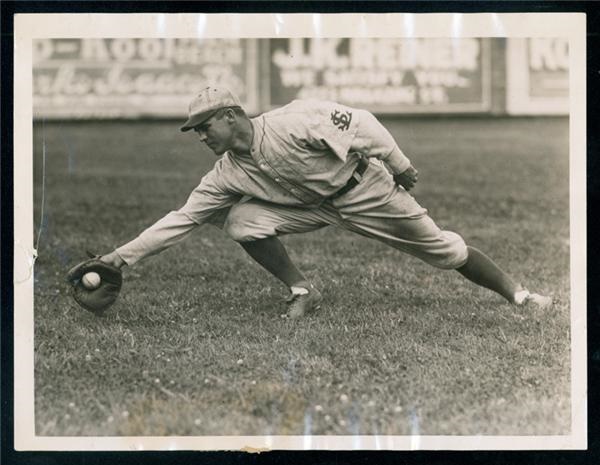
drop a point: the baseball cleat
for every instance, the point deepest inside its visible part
(541, 301)
(299, 304)
(524, 298)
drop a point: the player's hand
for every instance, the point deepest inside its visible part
(113, 259)
(407, 179)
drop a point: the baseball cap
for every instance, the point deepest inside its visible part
(206, 104)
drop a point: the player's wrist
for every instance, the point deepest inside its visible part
(397, 161)
(114, 259)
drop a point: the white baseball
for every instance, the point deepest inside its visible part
(91, 280)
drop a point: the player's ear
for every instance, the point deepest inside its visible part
(230, 115)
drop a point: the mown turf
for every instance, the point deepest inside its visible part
(196, 345)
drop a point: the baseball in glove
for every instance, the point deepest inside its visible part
(99, 299)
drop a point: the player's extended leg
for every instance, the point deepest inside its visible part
(256, 225)
(482, 270)
(421, 237)
(395, 218)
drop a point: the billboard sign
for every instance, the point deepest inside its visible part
(384, 75)
(137, 77)
(538, 76)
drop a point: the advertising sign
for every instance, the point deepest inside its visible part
(381, 74)
(538, 76)
(137, 77)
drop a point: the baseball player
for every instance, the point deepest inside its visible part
(304, 166)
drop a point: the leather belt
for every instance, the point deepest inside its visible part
(363, 164)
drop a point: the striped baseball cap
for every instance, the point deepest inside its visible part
(206, 104)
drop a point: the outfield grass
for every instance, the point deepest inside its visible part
(196, 346)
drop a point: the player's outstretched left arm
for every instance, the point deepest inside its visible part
(408, 178)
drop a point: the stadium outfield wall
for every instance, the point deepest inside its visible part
(133, 78)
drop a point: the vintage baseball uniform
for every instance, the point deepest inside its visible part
(302, 154)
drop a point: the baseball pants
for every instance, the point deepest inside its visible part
(418, 236)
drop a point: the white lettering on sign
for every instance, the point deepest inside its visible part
(164, 51)
(360, 77)
(381, 54)
(68, 81)
(379, 96)
(414, 53)
(122, 49)
(356, 95)
(321, 53)
(381, 72)
(433, 95)
(94, 50)
(441, 78)
(550, 54)
(150, 49)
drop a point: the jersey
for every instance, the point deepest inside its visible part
(301, 154)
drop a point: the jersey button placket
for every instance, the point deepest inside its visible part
(266, 169)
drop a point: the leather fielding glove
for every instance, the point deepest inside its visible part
(96, 300)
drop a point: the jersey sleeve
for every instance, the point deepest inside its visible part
(372, 139)
(203, 202)
(328, 125)
(347, 130)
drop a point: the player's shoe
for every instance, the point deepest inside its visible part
(525, 298)
(301, 303)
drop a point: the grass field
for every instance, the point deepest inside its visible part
(196, 346)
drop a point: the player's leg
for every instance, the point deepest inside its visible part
(268, 251)
(273, 257)
(482, 270)
(421, 238)
(256, 226)
(378, 209)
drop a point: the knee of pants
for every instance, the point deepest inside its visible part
(241, 224)
(453, 254)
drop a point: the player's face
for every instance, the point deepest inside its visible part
(216, 133)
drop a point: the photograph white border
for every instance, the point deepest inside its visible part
(408, 25)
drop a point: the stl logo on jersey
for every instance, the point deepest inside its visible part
(341, 120)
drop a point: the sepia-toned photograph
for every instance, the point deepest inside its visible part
(301, 238)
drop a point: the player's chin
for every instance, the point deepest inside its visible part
(212, 148)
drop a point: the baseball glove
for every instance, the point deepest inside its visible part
(99, 299)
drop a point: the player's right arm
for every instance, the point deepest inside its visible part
(372, 139)
(347, 130)
(204, 201)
